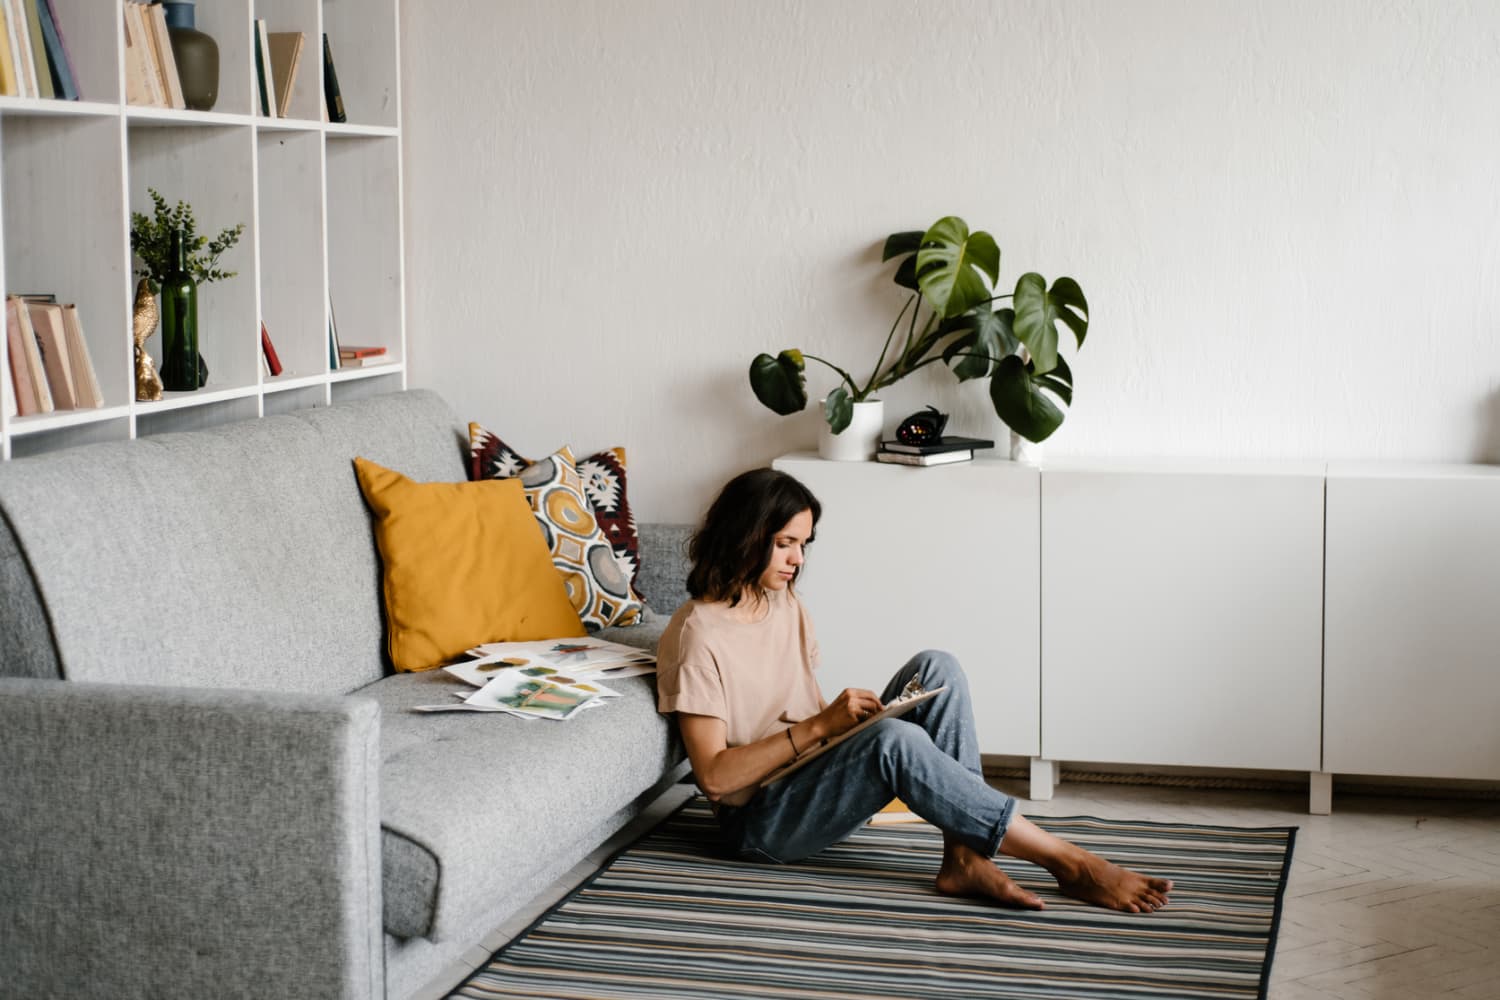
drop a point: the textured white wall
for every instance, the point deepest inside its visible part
(1284, 215)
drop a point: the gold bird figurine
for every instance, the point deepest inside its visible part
(147, 382)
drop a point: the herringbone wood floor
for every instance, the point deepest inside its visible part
(1389, 898)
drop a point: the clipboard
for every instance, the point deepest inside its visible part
(893, 710)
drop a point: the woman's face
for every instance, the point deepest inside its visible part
(787, 552)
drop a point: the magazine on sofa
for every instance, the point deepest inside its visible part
(577, 657)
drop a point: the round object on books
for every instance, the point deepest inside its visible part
(923, 427)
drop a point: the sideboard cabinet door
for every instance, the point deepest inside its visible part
(945, 557)
(1182, 614)
(1413, 619)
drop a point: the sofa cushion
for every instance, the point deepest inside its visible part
(463, 564)
(597, 584)
(604, 483)
(468, 798)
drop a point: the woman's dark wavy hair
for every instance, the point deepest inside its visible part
(732, 547)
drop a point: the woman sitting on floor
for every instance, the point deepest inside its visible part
(736, 665)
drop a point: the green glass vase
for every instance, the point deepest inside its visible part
(196, 55)
(180, 368)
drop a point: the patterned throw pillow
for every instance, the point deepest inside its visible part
(603, 476)
(597, 584)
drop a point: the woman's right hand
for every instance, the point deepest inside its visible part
(849, 709)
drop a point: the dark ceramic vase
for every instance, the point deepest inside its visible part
(197, 57)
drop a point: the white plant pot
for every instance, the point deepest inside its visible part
(1022, 450)
(859, 441)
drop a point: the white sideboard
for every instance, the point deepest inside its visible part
(915, 558)
(1182, 614)
(1412, 668)
(1179, 613)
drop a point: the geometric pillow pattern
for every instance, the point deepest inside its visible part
(603, 476)
(597, 584)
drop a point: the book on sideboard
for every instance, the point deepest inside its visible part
(936, 458)
(949, 443)
(358, 351)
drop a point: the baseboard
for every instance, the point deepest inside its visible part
(1241, 779)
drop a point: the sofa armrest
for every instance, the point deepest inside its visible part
(183, 842)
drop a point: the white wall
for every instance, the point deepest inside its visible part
(1284, 215)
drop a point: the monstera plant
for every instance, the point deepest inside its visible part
(955, 317)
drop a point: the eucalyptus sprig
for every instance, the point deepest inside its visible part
(151, 242)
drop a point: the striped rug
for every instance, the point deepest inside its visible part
(672, 917)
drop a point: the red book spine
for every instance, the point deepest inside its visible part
(272, 361)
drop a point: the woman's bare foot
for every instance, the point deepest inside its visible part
(1103, 883)
(966, 872)
(1082, 874)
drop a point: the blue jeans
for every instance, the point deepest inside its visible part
(928, 758)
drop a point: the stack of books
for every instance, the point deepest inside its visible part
(943, 451)
(50, 367)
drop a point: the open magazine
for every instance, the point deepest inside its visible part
(908, 700)
(547, 679)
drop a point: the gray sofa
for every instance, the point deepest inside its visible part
(210, 782)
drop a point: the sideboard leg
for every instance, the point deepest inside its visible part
(1045, 775)
(1320, 793)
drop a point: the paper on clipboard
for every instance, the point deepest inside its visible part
(896, 708)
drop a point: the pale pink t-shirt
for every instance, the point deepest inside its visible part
(756, 676)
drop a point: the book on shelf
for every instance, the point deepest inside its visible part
(19, 39)
(332, 96)
(905, 702)
(31, 352)
(47, 321)
(8, 391)
(8, 81)
(27, 402)
(367, 362)
(357, 351)
(166, 62)
(936, 458)
(286, 53)
(333, 339)
(85, 378)
(143, 73)
(38, 50)
(949, 443)
(59, 63)
(263, 75)
(268, 351)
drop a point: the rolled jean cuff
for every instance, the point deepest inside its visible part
(1002, 825)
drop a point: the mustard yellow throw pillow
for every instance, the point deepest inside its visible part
(463, 564)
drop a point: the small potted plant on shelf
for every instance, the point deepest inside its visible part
(953, 316)
(175, 260)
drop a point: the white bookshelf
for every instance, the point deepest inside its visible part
(321, 204)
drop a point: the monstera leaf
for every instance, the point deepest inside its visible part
(1039, 310)
(779, 382)
(1019, 395)
(953, 265)
(904, 245)
(988, 336)
(838, 410)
